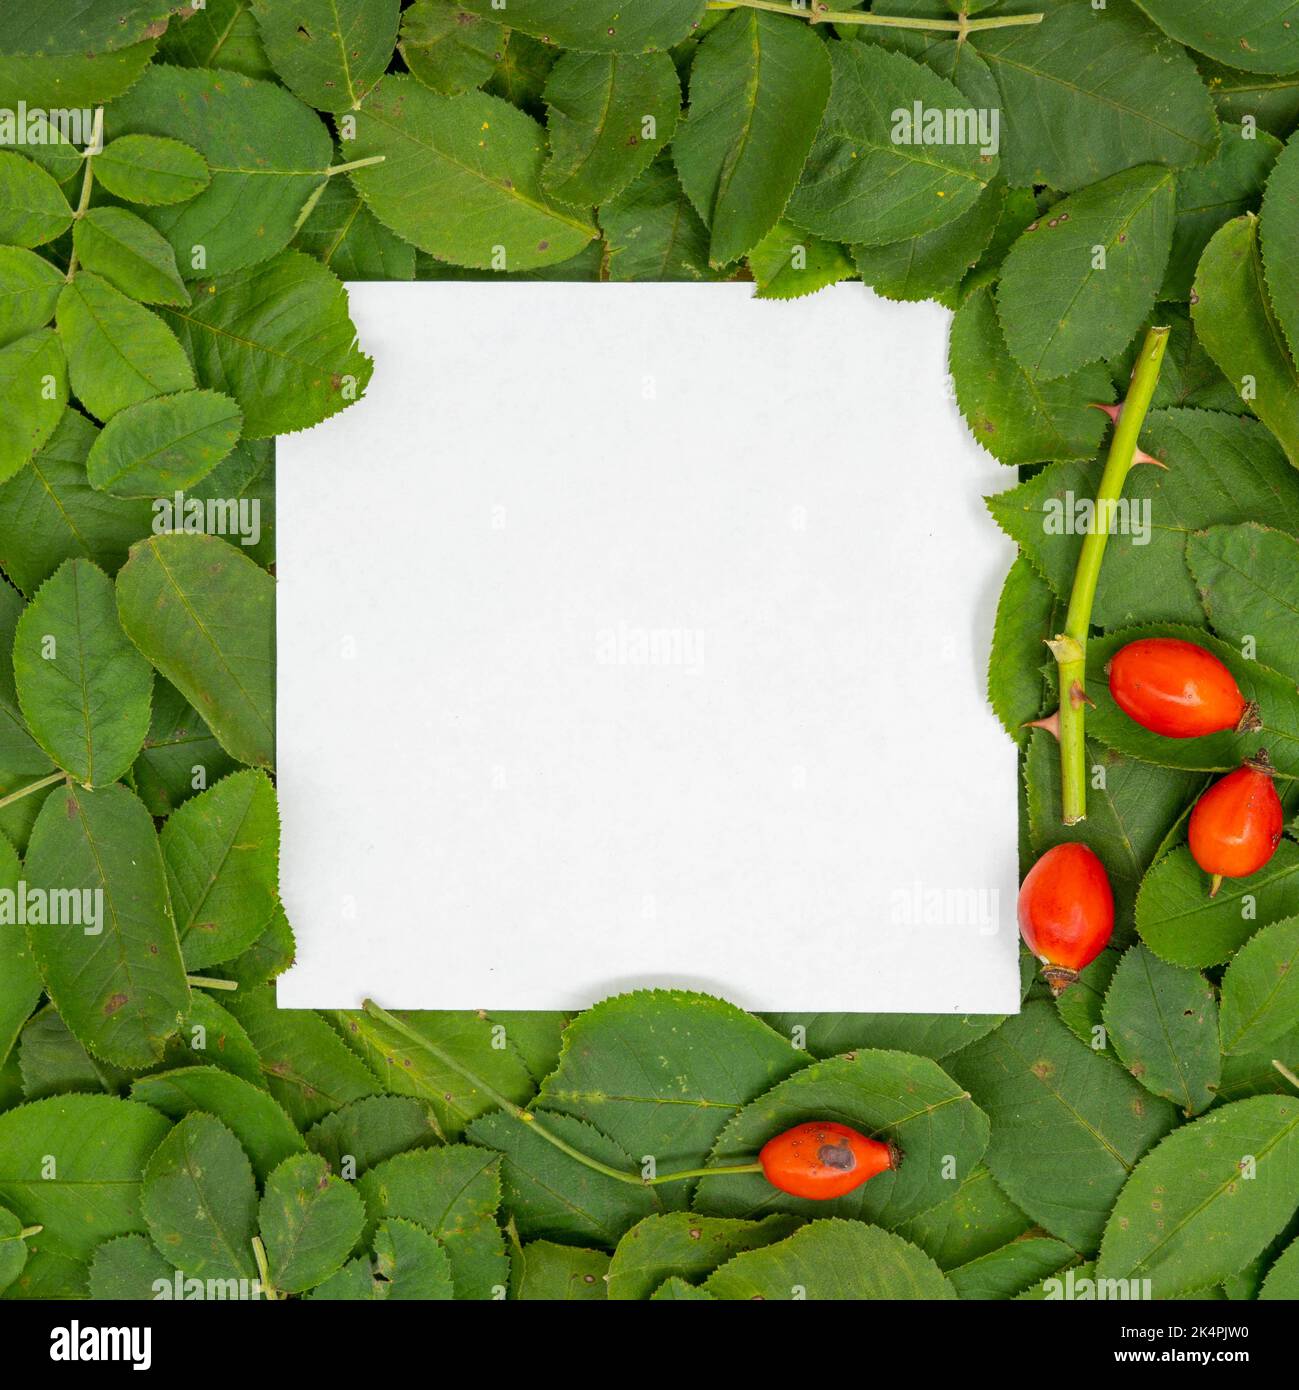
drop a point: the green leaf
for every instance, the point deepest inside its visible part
(683, 1244)
(1079, 282)
(221, 849)
(1024, 621)
(267, 153)
(83, 688)
(1180, 922)
(552, 1196)
(410, 1264)
(1239, 329)
(118, 352)
(129, 1268)
(1274, 694)
(223, 34)
(453, 1193)
(652, 231)
(1163, 1022)
(832, 1259)
(1229, 185)
(279, 340)
(33, 209)
(55, 31)
(164, 445)
(1282, 1281)
(179, 751)
(151, 169)
(1272, 101)
(788, 263)
(1257, 35)
(1220, 470)
(202, 612)
(1244, 574)
(976, 1219)
(1208, 1199)
(461, 178)
(465, 1038)
(934, 265)
(49, 512)
(329, 52)
(888, 1095)
(211, 1034)
(20, 756)
(20, 981)
(73, 1165)
(343, 233)
(677, 1290)
(364, 1132)
(1090, 92)
(1260, 991)
(1018, 419)
(53, 1062)
(200, 1201)
(130, 255)
(34, 387)
(1068, 1126)
(309, 1221)
(270, 955)
(1008, 1272)
(449, 49)
(608, 116)
(263, 1129)
(13, 1248)
(863, 186)
(600, 26)
(928, 1035)
(1279, 230)
(662, 1071)
(114, 973)
(71, 82)
(758, 87)
(29, 290)
(557, 1273)
(308, 1068)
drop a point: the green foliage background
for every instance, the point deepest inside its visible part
(172, 303)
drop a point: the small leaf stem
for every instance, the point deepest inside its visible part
(88, 178)
(28, 1232)
(529, 1118)
(264, 1270)
(1070, 647)
(207, 982)
(355, 164)
(1287, 1073)
(32, 787)
(818, 12)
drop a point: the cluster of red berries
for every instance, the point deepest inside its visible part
(1066, 906)
(1178, 690)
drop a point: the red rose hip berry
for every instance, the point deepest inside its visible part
(822, 1159)
(1066, 912)
(1178, 689)
(1236, 825)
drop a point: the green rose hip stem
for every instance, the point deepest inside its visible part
(817, 12)
(1070, 647)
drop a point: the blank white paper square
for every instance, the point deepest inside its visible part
(636, 635)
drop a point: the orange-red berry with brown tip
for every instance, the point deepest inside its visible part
(1178, 689)
(823, 1159)
(1066, 912)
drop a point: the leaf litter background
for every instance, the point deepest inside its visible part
(1103, 1133)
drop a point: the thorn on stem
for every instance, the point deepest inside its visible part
(1051, 724)
(1078, 697)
